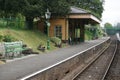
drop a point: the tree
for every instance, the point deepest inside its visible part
(108, 25)
(11, 8)
(57, 7)
(29, 8)
(94, 6)
(33, 9)
(37, 8)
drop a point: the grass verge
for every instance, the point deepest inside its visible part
(30, 37)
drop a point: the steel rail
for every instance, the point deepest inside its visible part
(109, 65)
(91, 62)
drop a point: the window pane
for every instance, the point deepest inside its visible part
(58, 31)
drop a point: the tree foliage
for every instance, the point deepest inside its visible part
(58, 7)
(108, 25)
(11, 7)
(33, 8)
(94, 6)
(37, 8)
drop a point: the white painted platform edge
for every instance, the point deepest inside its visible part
(33, 74)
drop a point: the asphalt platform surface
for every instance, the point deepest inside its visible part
(20, 68)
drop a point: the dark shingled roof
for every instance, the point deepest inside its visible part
(77, 10)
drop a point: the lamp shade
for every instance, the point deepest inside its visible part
(47, 14)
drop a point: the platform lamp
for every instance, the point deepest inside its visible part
(47, 16)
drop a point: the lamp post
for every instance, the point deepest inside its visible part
(47, 16)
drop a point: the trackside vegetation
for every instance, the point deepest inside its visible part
(32, 38)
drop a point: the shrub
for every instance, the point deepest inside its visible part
(8, 38)
(41, 44)
(56, 40)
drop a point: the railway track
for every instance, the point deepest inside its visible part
(113, 72)
(97, 70)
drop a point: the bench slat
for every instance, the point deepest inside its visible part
(13, 47)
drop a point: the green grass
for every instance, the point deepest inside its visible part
(34, 37)
(30, 37)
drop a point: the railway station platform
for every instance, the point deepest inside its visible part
(19, 69)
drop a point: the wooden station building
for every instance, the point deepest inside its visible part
(72, 26)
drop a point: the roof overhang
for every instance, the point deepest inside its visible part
(78, 13)
(84, 16)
